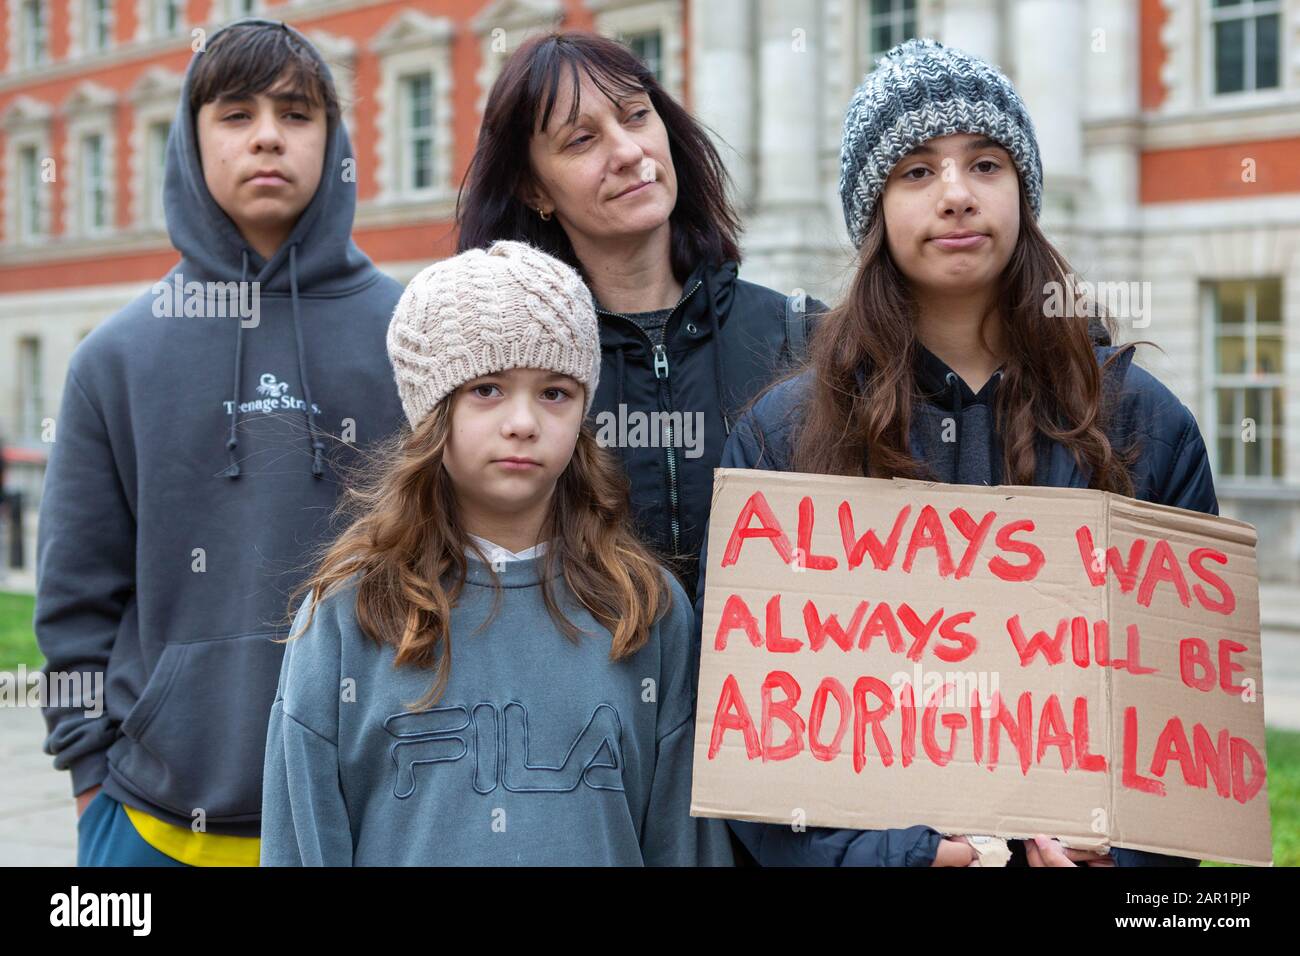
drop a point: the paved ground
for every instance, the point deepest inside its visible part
(38, 821)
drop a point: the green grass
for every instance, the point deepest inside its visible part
(1283, 796)
(17, 642)
(18, 646)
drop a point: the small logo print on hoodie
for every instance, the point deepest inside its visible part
(273, 396)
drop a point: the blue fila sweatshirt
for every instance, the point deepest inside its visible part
(541, 751)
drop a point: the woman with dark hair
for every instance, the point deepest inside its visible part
(946, 363)
(583, 155)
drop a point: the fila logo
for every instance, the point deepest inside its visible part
(496, 740)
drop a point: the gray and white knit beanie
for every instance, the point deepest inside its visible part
(919, 90)
(481, 312)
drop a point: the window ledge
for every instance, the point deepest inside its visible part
(1267, 98)
(1258, 491)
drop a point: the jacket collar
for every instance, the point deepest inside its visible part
(706, 308)
(1116, 374)
(1055, 465)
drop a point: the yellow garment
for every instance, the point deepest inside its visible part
(196, 849)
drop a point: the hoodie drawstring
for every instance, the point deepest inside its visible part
(318, 447)
(954, 407)
(995, 441)
(620, 353)
(233, 470)
(994, 445)
(717, 377)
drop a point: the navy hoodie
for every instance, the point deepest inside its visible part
(196, 463)
(1172, 468)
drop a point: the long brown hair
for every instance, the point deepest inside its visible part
(408, 548)
(703, 223)
(1051, 388)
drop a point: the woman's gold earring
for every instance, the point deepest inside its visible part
(546, 216)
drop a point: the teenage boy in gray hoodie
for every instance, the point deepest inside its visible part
(180, 509)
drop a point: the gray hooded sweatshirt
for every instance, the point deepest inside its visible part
(540, 751)
(197, 460)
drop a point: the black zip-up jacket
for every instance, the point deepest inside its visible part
(725, 339)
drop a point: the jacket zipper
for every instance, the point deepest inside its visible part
(661, 373)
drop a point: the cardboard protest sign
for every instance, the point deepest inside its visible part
(1005, 661)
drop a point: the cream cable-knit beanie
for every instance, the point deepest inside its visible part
(480, 312)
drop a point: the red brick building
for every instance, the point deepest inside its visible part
(1169, 132)
(88, 89)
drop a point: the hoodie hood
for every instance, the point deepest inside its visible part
(212, 247)
(954, 430)
(957, 427)
(213, 250)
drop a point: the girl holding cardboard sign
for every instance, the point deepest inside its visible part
(948, 361)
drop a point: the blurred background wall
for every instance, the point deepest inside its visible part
(1169, 129)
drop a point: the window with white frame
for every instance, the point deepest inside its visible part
(1247, 384)
(92, 200)
(414, 147)
(33, 27)
(653, 31)
(242, 8)
(97, 25)
(340, 55)
(90, 114)
(30, 399)
(155, 166)
(416, 143)
(1245, 43)
(887, 24)
(153, 101)
(30, 221)
(501, 26)
(27, 169)
(648, 47)
(165, 17)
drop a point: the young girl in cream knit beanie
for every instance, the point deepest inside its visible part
(491, 570)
